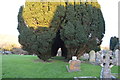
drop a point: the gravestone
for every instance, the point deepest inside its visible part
(119, 57)
(100, 52)
(111, 53)
(59, 52)
(86, 56)
(92, 56)
(107, 64)
(117, 54)
(98, 58)
(85, 78)
(74, 65)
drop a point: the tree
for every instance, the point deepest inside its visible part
(82, 29)
(38, 41)
(75, 27)
(114, 42)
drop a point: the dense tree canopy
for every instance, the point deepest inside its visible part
(114, 43)
(75, 27)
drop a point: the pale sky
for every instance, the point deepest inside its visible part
(9, 11)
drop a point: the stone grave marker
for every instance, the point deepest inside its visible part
(117, 54)
(74, 65)
(85, 78)
(119, 57)
(98, 58)
(107, 64)
(92, 56)
(100, 52)
(59, 52)
(86, 56)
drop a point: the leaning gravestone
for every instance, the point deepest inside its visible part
(74, 65)
(107, 64)
(92, 56)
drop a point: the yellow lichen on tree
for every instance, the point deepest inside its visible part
(38, 14)
(41, 14)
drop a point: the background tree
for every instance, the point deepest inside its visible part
(114, 41)
(75, 27)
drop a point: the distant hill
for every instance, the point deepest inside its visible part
(104, 47)
(6, 40)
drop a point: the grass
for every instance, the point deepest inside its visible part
(0, 66)
(26, 66)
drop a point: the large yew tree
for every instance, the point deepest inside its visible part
(75, 27)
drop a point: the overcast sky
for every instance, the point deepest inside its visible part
(9, 11)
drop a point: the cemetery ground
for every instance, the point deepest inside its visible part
(28, 66)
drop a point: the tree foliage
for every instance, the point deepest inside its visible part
(83, 29)
(75, 27)
(37, 41)
(114, 42)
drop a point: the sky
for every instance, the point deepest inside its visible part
(9, 11)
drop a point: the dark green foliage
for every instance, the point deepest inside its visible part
(114, 42)
(58, 43)
(37, 41)
(76, 29)
(83, 29)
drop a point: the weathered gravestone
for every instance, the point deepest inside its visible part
(117, 56)
(86, 56)
(107, 64)
(92, 56)
(85, 78)
(59, 52)
(98, 58)
(74, 65)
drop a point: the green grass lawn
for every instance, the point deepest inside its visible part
(0, 66)
(26, 66)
